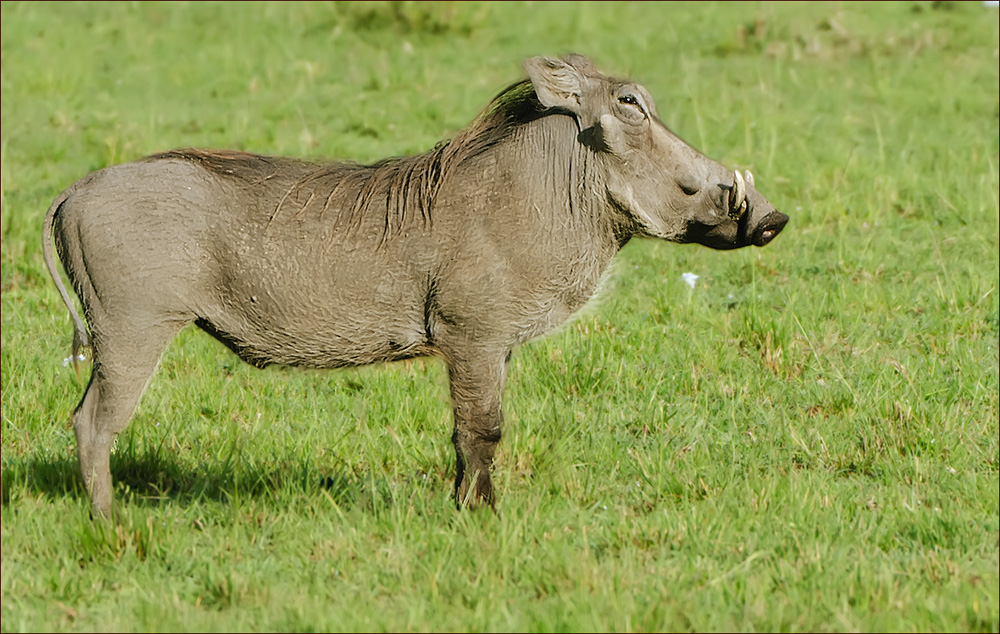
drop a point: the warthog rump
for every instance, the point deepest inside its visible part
(486, 241)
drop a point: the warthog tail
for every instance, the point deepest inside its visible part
(81, 338)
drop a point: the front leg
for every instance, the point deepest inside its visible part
(477, 382)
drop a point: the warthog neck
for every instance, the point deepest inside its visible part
(529, 216)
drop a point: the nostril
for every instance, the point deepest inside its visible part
(770, 227)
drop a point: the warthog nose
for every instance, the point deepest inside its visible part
(769, 227)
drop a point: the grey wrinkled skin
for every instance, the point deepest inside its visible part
(464, 252)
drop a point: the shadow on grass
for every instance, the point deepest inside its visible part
(147, 478)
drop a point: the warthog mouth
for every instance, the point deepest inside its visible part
(733, 235)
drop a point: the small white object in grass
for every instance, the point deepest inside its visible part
(69, 359)
(690, 279)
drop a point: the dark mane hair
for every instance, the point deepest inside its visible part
(398, 188)
(513, 107)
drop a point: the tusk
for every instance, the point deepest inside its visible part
(737, 201)
(749, 178)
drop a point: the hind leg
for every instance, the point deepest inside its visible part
(122, 369)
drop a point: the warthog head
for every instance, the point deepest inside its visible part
(671, 190)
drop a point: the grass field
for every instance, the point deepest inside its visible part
(806, 440)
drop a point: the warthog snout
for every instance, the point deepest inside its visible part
(744, 218)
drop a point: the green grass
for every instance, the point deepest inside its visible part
(808, 440)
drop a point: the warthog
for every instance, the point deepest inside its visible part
(482, 243)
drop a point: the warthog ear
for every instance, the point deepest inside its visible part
(557, 84)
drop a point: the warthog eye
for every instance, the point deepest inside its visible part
(629, 99)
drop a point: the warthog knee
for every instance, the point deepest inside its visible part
(473, 439)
